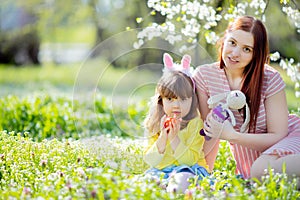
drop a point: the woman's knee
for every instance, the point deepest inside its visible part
(261, 165)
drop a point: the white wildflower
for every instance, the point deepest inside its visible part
(80, 171)
(111, 164)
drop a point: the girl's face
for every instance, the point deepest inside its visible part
(238, 49)
(177, 107)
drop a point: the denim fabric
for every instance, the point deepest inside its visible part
(166, 172)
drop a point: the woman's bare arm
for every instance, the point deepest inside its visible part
(211, 146)
(277, 126)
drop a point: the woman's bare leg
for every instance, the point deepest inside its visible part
(275, 162)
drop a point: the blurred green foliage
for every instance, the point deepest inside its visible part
(45, 117)
(39, 117)
(94, 21)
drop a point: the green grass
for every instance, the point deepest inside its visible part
(71, 34)
(110, 82)
(122, 85)
(104, 167)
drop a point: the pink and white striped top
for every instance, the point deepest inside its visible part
(211, 80)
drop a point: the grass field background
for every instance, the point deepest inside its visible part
(44, 154)
(61, 80)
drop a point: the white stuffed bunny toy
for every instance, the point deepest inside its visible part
(221, 111)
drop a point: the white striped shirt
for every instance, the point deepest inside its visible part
(211, 80)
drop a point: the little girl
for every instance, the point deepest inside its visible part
(175, 147)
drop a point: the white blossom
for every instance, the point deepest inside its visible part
(172, 39)
(275, 56)
(186, 20)
(294, 15)
(138, 44)
(211, 37)
(258, 4)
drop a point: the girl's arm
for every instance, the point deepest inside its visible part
(154, 153)
(161, 143)
(277, 126)
(189, 149)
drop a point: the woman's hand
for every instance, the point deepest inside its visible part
(216, 129)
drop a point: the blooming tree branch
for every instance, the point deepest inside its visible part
(187, 22)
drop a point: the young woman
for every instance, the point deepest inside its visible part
(273, 137)
(174, 149)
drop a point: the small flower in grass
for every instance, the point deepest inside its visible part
(60, 174)
(52, 176)
(113, 179)
(124, 165)
(81, 171)
(26, 190)
(212, 187)
(188, 194)
(43, 163)
(69, 185)
(111, 164)
(94, 194)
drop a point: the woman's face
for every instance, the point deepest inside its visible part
(238, 49)
(176, 107)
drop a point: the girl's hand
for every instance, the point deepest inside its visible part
(169, 131)
(164, 130)
(163, 137)
(173, 128)
(216, 129)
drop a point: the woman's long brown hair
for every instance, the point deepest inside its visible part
(254, 71)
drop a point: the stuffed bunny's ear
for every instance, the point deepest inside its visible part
(213, 100)
(168, 61)
(245, 126)
(186, 61)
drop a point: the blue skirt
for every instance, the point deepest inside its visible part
(167, 171)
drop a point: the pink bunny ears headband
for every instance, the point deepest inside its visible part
(183, 67)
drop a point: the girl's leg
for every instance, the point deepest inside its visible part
(179, 182)
(275, 162)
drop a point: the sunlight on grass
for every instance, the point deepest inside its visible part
(94, 73)
(72, 34)
(47, 73)
(106, 167)
(97, 159)
(61, 79)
